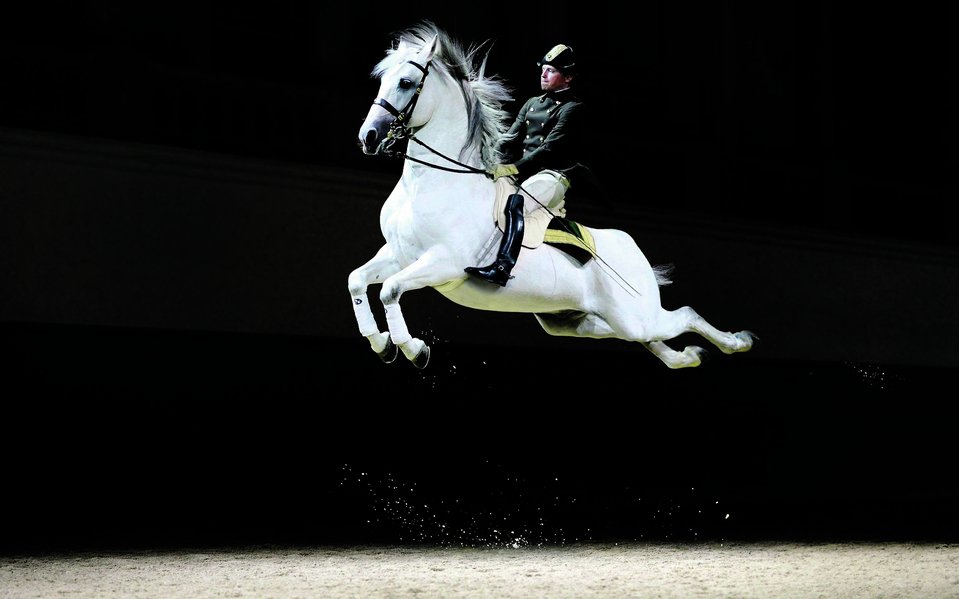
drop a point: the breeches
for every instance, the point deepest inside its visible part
(548, 191)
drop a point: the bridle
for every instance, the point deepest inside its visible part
(400, 130)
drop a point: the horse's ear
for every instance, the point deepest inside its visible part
(426, 54)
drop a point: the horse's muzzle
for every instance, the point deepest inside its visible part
(371, 142)
(372, 135)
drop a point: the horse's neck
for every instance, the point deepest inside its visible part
(441, 197)
(430, 203)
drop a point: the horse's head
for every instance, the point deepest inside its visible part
(429, 76)
(404, 101)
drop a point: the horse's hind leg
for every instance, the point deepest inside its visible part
(688, 358)
(595, 327)
(672, 323)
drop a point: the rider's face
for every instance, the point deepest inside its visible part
(551, 80)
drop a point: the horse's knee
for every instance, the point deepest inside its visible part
(357, 282)
(390, 293)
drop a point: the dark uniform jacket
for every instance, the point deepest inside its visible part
(550, 133)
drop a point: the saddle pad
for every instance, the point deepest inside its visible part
(571, 237)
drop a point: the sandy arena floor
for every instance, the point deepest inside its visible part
(600, 570)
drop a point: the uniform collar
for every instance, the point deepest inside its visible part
(562, 95)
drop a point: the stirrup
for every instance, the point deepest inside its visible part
(496, 273)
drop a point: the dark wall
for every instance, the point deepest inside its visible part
(838, 118)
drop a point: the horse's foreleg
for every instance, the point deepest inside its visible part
(427, 271)
(416, 350)
(379, 267)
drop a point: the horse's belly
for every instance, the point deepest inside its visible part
(480, 295)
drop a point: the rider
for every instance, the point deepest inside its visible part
(543, 139)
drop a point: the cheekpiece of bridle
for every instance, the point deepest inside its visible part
(399, 128)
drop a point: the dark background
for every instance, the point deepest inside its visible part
(183, 198)
(828, 117)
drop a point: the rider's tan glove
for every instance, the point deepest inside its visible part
(504, 170)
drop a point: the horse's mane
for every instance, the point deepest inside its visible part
(484, 95)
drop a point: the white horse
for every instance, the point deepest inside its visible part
(437, 221)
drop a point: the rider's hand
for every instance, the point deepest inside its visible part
(503, 170)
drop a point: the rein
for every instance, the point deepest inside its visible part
(466, 168)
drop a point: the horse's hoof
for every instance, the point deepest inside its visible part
(389, 352)
(698, 355)
(422, 358)
(747, 338)
(744, 342)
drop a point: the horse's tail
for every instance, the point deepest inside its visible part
(662, 272)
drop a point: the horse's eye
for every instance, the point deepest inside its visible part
(406, 83)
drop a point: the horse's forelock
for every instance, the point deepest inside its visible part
(394, 56)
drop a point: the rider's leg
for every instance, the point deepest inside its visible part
(498, 271)
(547, 189)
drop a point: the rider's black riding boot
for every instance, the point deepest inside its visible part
(498, 271)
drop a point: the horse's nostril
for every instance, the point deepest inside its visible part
(370, 141)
